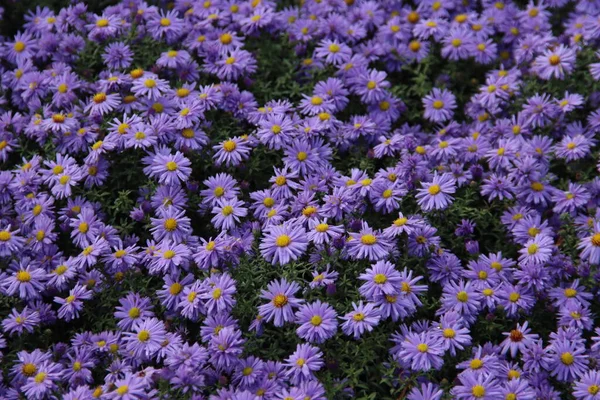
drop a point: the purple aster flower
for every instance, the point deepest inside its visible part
(284, 243)
(219, 298)
(423, 351)
(27, 280)
(453, 335)
(133, 308)
(362, 319)
(282, 302)
(146, 338)
(439, 105)
(73, 303)
(590, 246)
(369, 244)
(477, 387)
(170, 169)
(380, 279)
(303, 363)
(117, 55)
(436, 195)
(569, 361)
(17, 322)
(555, 63)
(225, 349)
(588, 386)
(227, 213)
(537, 250)
(318, 322)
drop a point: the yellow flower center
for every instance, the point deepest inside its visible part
(99, 98)
(165, 22)
(227, 210)
(23, 276)
(358, 316)
(438, 104)
(175, 289)
(434, 189)
(368, 239)
(462, 296)
(28, 369)
(449, 333)
(170, 224)
(567, 358)
(316, 320)
(171, 166)
(280, 300)
(570, 293)
(532, 249)
(283, 241)
(478, 391)
(41, 377)
(380, 279)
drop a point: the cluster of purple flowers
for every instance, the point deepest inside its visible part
(59, 253)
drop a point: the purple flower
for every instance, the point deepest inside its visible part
(423, 351)
(303, 363)
(318, 322)
(555, 62)
(477, 387)
(284, 243)
(436, 195)
(368, 244)
(146, 338)
(568, 361)
(282, 302)
(381, 279)
(439, 105)
(362, 319)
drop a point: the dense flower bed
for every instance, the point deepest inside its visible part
(326, 199)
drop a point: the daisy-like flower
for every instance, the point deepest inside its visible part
(518, 339)
(318, 322)
(436, 195)
(423, 351)
(320, 231)
(363, 318)
(537, 250)
(427, 391)
(227, 213)
(380, 279)
(439, 105)
(368, 243)
(171, 169)
(303, 363)
(569, 361)
(588, 386)
(102, 103)
(282, 302)
(555, 63)
(231, 152)
(283, 243)
(150, 86)
(477, 387)
(146, 338)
